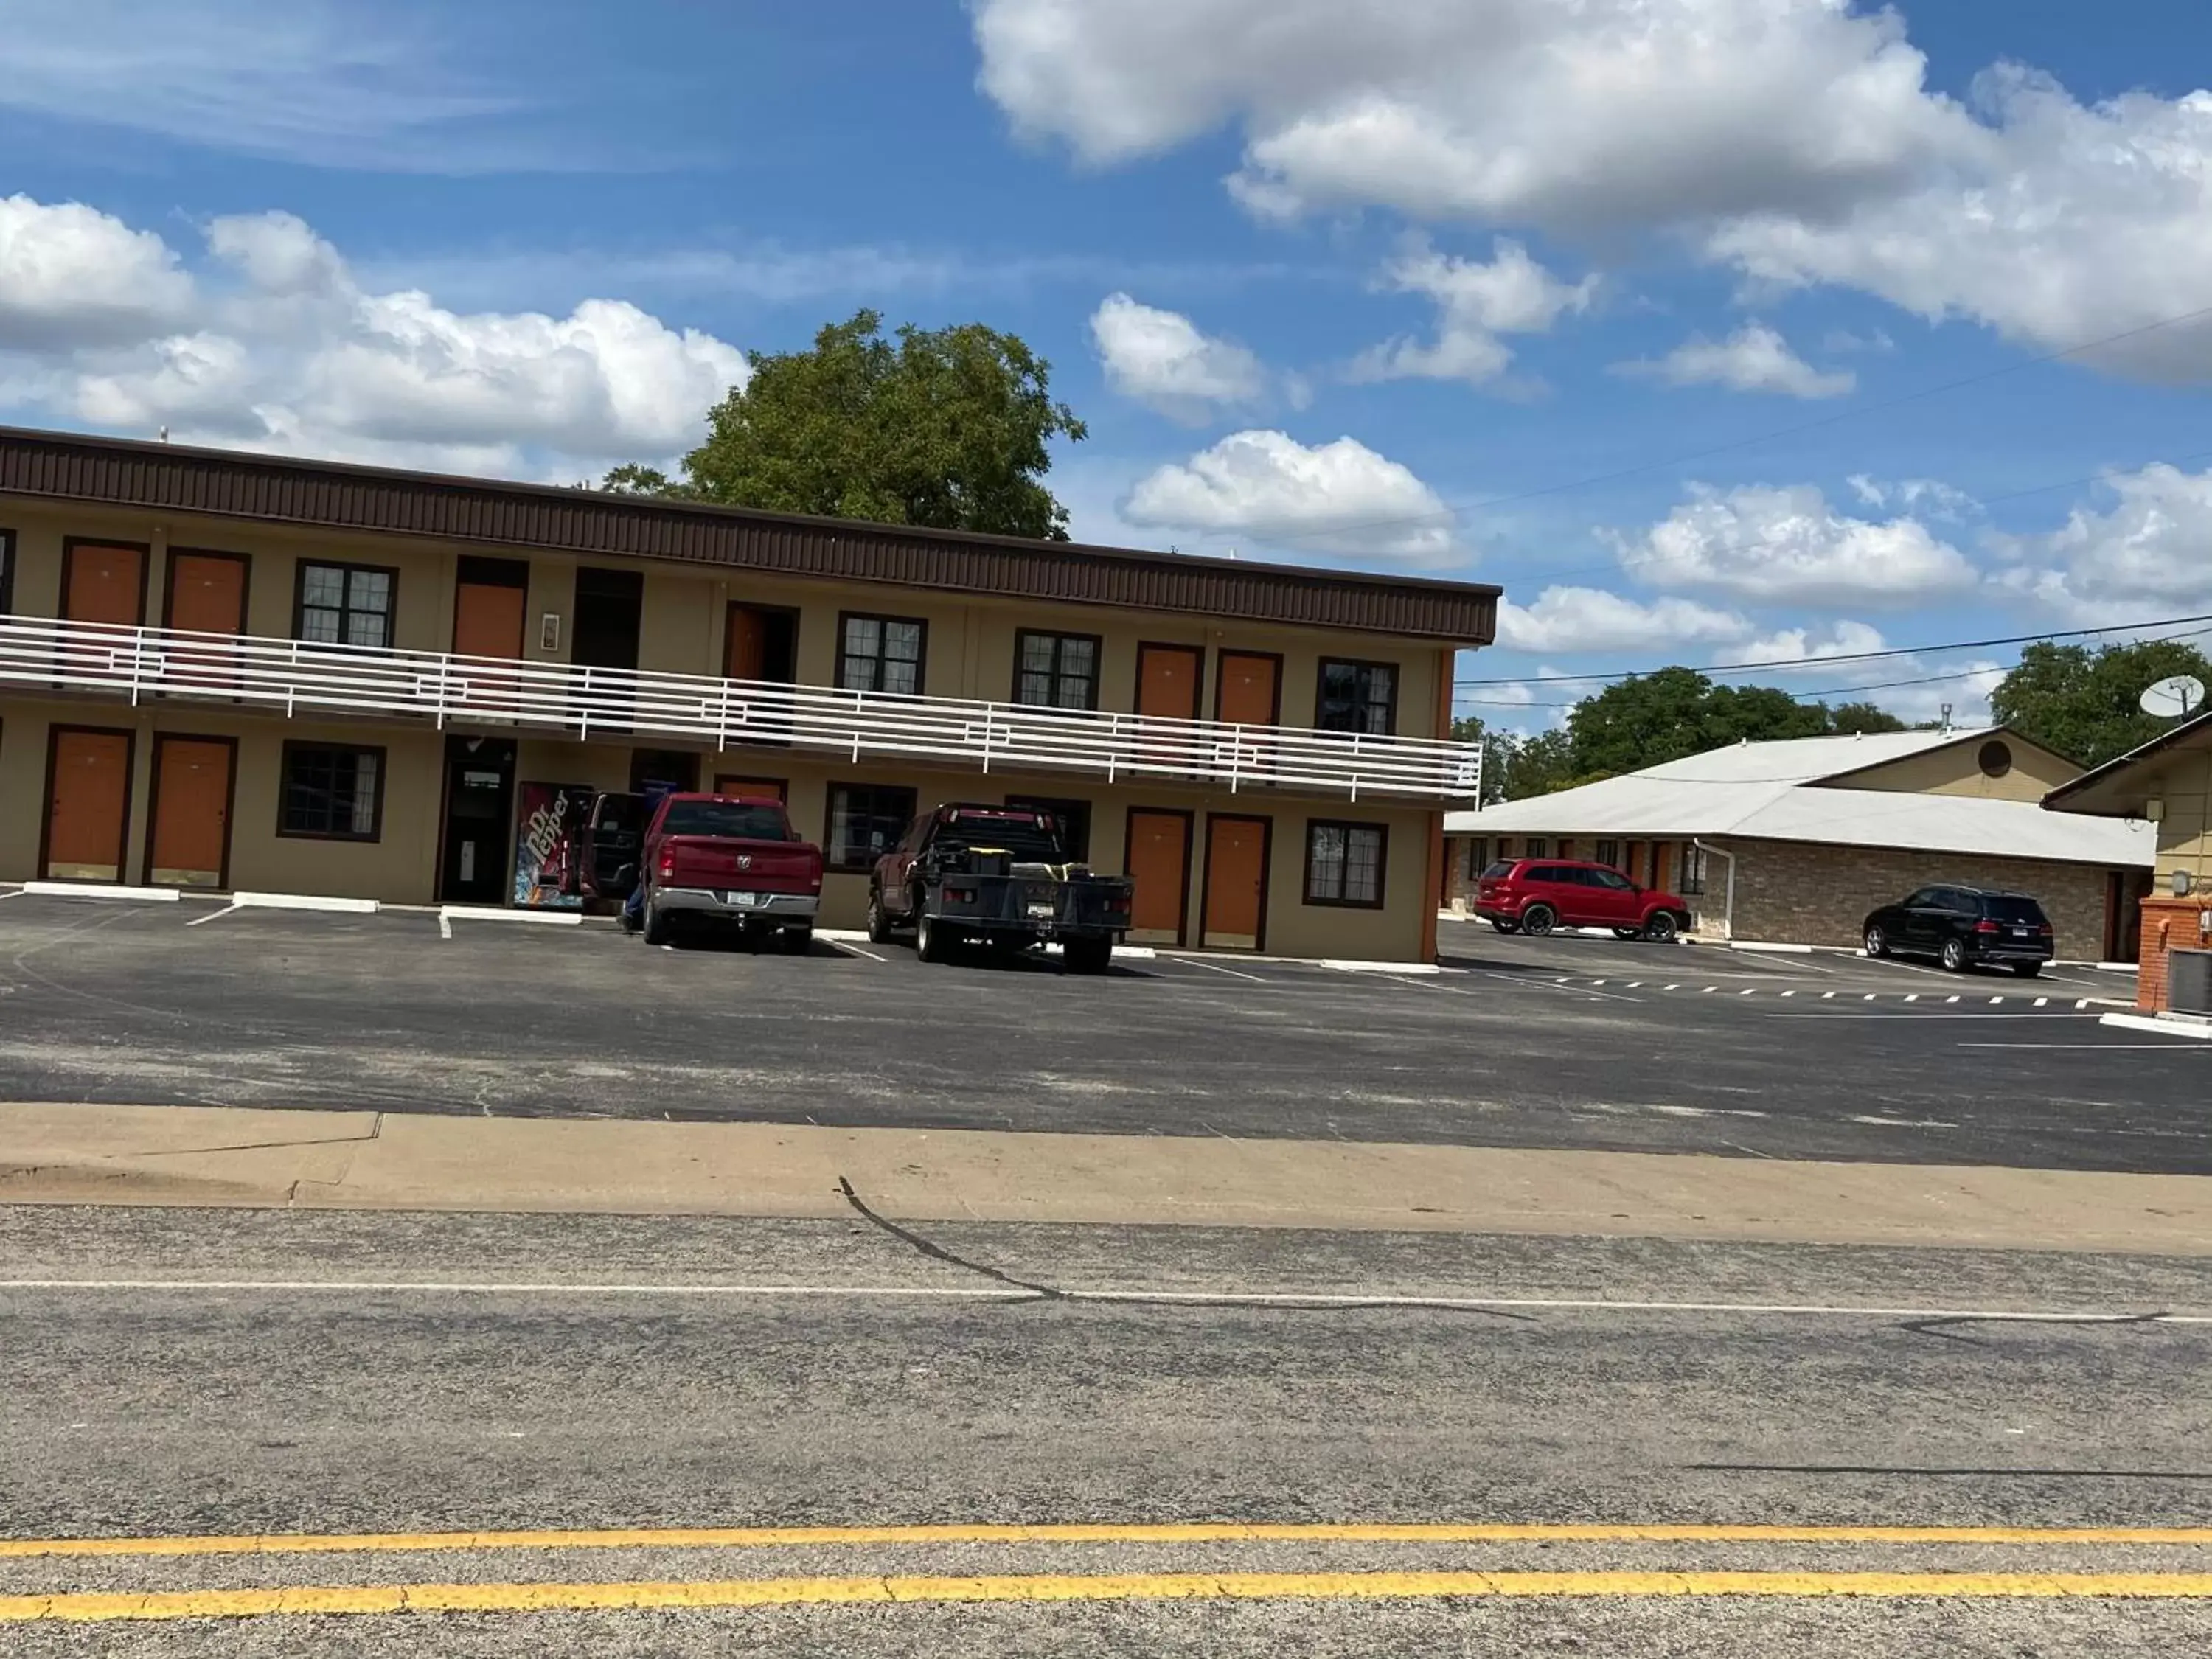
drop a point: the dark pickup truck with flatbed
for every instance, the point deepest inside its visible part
(966, 873)
(729, 861)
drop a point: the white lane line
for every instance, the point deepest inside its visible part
(1562, 986)
(1016, 1293)
(1869, 996)
(1950, 999)
(1217, 969)
(1922, 1013)
(1710, 989)
(852, 949)
(1748, 990)
(1995, 999)
(1671, 988)
(213, 916)
(2043, 1002)
(445, 925)
(1789, 994)
(1827, 996)
(2163, 1048)
(18, 893)
(1912, 996)
(2083, 1003)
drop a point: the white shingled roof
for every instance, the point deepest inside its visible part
(1773, 792)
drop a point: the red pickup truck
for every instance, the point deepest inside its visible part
(728, 860)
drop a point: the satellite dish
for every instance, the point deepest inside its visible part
(2171, 698)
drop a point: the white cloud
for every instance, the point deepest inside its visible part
(72, 276)
(1601, 113)
(2055, 222)
(1761, 542)
(2144, 556)
(302, 81)
(1475, 304)
(1807, 645)
(1338, 497)
(1795, 140)
(276, 346)
(1755, 358)
(1930, 496)
(1591, 619)
(1161, 359)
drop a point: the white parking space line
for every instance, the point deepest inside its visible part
(1922, 1014)
(1216, 967)
(852, 949)
(213, 916)
(2163, 1048)
(445, 925)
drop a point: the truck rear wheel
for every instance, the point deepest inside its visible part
(1087, 956)
(930, 942)
(880, 924)
(656, 924)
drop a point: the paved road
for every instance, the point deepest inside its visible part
(127, 1002)
(924, 1379)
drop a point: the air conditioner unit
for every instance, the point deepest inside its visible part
(2189, 981)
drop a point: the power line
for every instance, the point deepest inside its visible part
(1853, 656)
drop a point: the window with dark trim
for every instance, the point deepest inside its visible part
(1478, 857)
(1693, 870)
(1357, 696)
(1535, 847)
(331, 792)
(1344, 863)
(1056, 671)
(865, 822)
(880, 653)
(1607, 851)
(6, 571)
(344, 604)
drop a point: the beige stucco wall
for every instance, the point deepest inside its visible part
(401, 867)
(1956, 770)
(970, 652)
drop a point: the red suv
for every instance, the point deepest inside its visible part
(1535, 896)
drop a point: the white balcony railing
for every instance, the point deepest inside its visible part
(299, 679)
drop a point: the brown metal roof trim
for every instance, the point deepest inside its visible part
(228, 484)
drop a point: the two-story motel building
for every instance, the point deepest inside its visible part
(226, 672)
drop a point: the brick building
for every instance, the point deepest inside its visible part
(2167, 785)
(1794, 841)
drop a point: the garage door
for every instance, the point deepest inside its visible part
(87, 804)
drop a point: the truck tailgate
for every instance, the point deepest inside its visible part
(774, 866)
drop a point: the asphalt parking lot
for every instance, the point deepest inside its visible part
(1564, 1044)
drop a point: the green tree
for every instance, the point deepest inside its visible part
(1497, 748)
(2083, 702)
(946, 427)
(1858, 718)
(1540, 765)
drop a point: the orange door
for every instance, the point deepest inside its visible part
(753, 788)
(88, 804)
(745, 652)
(206, 595)
(1167, 681)
(488, 620)
(1158, 861)
(1248, 690)
(1235, 883)
(206, 592)
(192, 812)
(101, 584)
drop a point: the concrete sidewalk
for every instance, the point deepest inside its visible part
(169, 1155)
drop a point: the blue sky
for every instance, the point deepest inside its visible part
(1648, 310)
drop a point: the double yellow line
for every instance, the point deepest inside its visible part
(770, 1592)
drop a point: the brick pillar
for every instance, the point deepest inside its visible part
(2168, 924)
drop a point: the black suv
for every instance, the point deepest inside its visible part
(1964, 928)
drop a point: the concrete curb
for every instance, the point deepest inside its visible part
(103, 890)
(487, 913)
(356, 907)
(2173, 1028)
(73, 1153)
